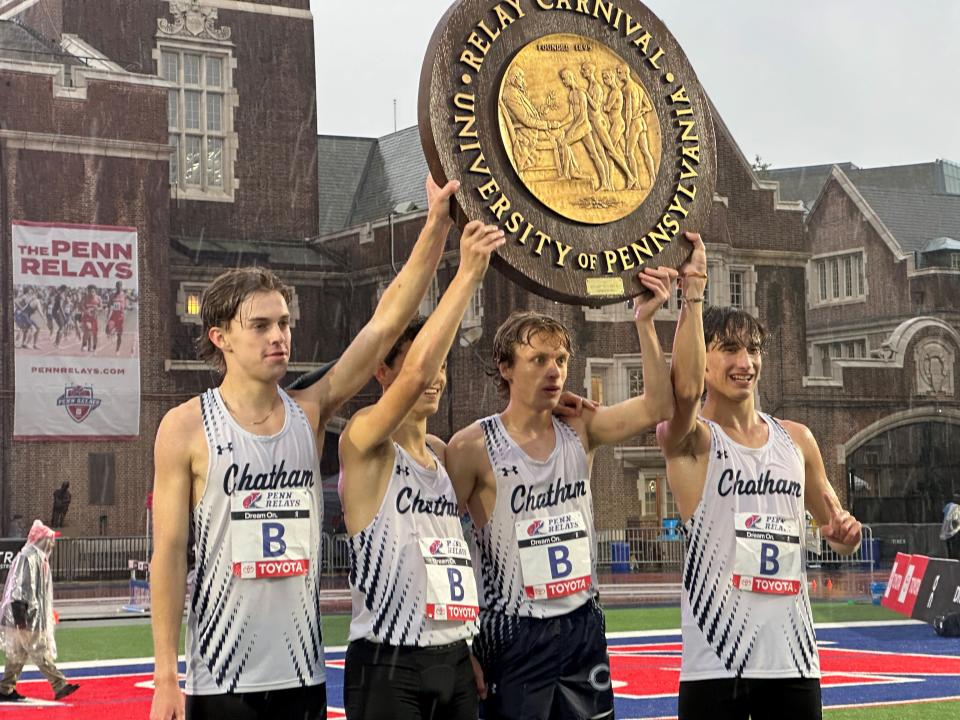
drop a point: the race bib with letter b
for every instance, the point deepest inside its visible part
(769, 554)
(270, 533)
(451, 586)
(554, 555)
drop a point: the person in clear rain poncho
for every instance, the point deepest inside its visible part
(27, 618)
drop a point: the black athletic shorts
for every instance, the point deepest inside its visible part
(739, 699)
(551, 669)
(302, 703)
(386, 682)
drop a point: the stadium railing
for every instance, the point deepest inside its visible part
(662, 548)
(634, 549)
(96, 558)
(107, 558)
(868, 556)
(626, 550)
(336, 554)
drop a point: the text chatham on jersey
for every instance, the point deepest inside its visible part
(235, 479)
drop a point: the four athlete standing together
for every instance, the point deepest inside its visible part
(515, 626)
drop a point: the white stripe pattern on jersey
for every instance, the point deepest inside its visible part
(728, 632)
(387, 572)
(251, 635)
(500, 576)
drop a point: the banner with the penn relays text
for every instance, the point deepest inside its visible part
(76, 332)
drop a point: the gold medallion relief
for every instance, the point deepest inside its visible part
(579, 128)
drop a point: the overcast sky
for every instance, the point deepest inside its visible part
(873, 82)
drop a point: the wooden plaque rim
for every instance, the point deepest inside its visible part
(502, 169)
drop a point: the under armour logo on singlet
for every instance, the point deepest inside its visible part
(722, 455)
(403, 469)
(221, 449)
(506, 471)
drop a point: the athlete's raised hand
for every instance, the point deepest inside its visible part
(659, 281)
(572, 405)
(693, 270)
(843, 527)
(438, 200)
(477, 244)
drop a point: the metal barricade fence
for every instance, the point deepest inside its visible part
(634, 549)
(107, 558)
(336, 554)
(867, 556)
(637, 549)
(626, 550)
(96, 558)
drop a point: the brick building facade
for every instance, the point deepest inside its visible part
(194, 123)
(371, 190)
(769, 237)
(883, 338)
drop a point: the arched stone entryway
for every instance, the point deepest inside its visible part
(905, 467)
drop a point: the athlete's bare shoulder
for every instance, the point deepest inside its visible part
(802, 437)
(466, 456)
(796, 430)
(310, 406)
(180, 448)
(467, 440)
(182, 423)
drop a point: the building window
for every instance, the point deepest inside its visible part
(955, 261)
(840, 278)
(429, 302)
(601, 383)
(738, 283)
(617, 312)
(474, 314)
(596, 388)
(854, 349)
(634, 382)
(648, 500)
(736, 288)
(825, 367)
(189, 296)
(102, 475)
(669, 507)
(199, 119)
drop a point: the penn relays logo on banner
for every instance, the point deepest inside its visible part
(76, 330)
(79, 401)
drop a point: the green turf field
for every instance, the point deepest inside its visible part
(131, 639)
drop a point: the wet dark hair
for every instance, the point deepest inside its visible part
(730, 325)
(222, 299)
(407, 336)
(517, 330)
